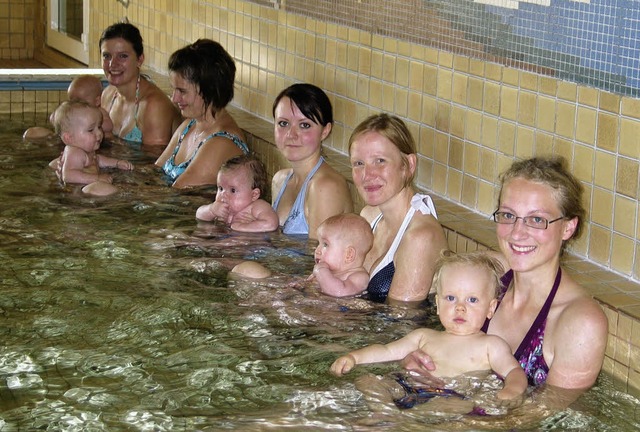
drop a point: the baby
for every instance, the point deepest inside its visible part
(87, 88)
(241, 181)
(343, 242)
(79, 125)
(466, 287)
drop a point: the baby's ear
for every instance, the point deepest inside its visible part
(255, 194)
(350, 254)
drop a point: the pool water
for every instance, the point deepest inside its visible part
(118, 313)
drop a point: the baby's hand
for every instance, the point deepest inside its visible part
(319, 266)
(509, 399)
(105, 178)
(124, 165)
(343, 365)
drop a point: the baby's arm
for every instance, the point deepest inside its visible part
(215, 210)
(378, 353)
(109, 162)
(504, 364)
(331, 285)
(259, 217)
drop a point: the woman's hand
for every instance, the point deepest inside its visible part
(421, 365)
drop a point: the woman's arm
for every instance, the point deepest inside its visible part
(203, 169)
(157, 117)
(415, 259)
(579, 342)
(327, 195)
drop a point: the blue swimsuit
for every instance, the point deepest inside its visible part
(382, 274)
(529, 353)
(135, 135)
(296, 223)
(174, 171)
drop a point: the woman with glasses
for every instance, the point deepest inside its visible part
(556, 330)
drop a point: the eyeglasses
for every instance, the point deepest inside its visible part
(537, 222)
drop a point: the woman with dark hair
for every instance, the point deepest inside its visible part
(202, 76)
(140, 111)
(310, 191)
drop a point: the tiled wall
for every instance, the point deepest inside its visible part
(471, 117)
(16, 29)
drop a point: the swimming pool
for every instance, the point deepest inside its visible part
(117, 314)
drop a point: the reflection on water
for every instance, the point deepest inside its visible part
(117, 314)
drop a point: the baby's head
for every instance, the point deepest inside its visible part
(343, 241)
(76, 119)
(87, 88)
(241, 181)
(466, 286)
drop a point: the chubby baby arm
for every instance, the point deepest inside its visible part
(503, 363)
(109, 162)
(215, 210)
(343, 365)
(333, 286)
(258, 217)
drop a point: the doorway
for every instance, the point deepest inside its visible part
(68, 28)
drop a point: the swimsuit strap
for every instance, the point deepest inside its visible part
(136, 102)
(542, 316)
(180, 138)
(276, 202)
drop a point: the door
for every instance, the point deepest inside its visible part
(68, 28)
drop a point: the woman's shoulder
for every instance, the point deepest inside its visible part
(327, 176)
(575, 308)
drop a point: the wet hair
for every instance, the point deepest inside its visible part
(392, 128)
(125, 31)
(63, 116)
(553, 172)
(353, 228)
(311, 100)
(480, 259)
(256, 169)
(207, 65)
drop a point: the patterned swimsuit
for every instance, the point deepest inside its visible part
(529, 353)
(173, 171)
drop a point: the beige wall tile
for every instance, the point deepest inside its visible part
(586, 125)
(506, 138)
(548, 86)
(602, 203)
(459, 92)
(610, 102)
(627, 177)
(430, 83)
(599, 244)
(630, 137)
(607, 132)
(630, 107)
(527, 108)
(458, 121)
(524, 142)
(492, 98)
(456, 154)
(511, 76)
(566, 119)
(475, 93)
(567, 91)
(605, 170)
(546, 113)
(508, 103)
(471, 159)
(622, 253)
(444, 84)
(469, 190)
(473, 131)
(625, 216)
(583, 163)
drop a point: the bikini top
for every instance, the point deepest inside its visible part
(135, 135)
(382, 274)
(529, 353)
(173, 171)
(296, 222)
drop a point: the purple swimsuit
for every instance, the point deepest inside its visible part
(529, 353)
